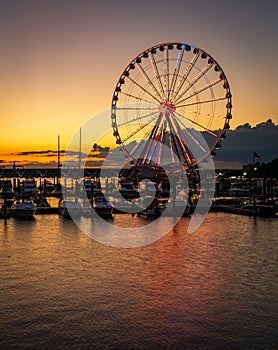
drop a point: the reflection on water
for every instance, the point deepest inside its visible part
(213, 289)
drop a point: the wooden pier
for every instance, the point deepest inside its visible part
(48, 173)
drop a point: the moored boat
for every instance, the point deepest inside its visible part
(57, 191)
(124, 206)
(90, 187)
(149, 207)
(267, 207)
(102, 206)
(6, 189)
(24, 208)
(27, 188)
(178, 206)
(47, 187)
(69, 207)
(127, 189)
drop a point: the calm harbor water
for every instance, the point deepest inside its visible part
(213, 289)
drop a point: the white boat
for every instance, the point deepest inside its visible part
(24, 208)
(69, 207)
(102, 207)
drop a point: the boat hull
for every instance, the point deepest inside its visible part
(23, 209)
(23, 213)
(104, 212)
(73, 212)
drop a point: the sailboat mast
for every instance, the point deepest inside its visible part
(59, 162)
(79, 153)
(59, 152)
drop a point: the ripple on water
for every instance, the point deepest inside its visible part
(214, 288)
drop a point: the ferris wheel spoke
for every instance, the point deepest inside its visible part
(201, 102)
(158, 145)
(187, 152)
(157, 75)
(193, 82)
(204, 88)
(178, 141)
(148, 151)
(162, 141)
(134, 133)
(197, 124)
(186, 130)
(133, 108)
(173, 136)
(171, 146)
(207, 115)
(147, 78)
(131, 152)
(137, 118)
(187, 72)
(166, 71)
(151, 141)
(145, 90)
(176, 71)
(138, 130)
(135, 97)
(155, 128)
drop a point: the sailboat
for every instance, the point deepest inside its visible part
(69, 205)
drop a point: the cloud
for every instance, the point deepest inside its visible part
(241, 143)
(237, 149)
(27, 153)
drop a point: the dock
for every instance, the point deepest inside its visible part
(232, 210)
(17, 176)
(21, 173)
(47, 210)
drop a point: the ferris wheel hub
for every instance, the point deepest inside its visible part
(167, 107)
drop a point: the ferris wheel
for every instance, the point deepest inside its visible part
(176, 94)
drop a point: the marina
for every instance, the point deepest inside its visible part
(123, 194)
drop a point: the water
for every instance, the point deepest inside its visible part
(213, 289)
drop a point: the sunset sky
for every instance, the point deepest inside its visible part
(60, 60)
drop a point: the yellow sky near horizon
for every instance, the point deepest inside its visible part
(60, 62)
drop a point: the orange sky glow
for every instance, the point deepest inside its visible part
(60, 61)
